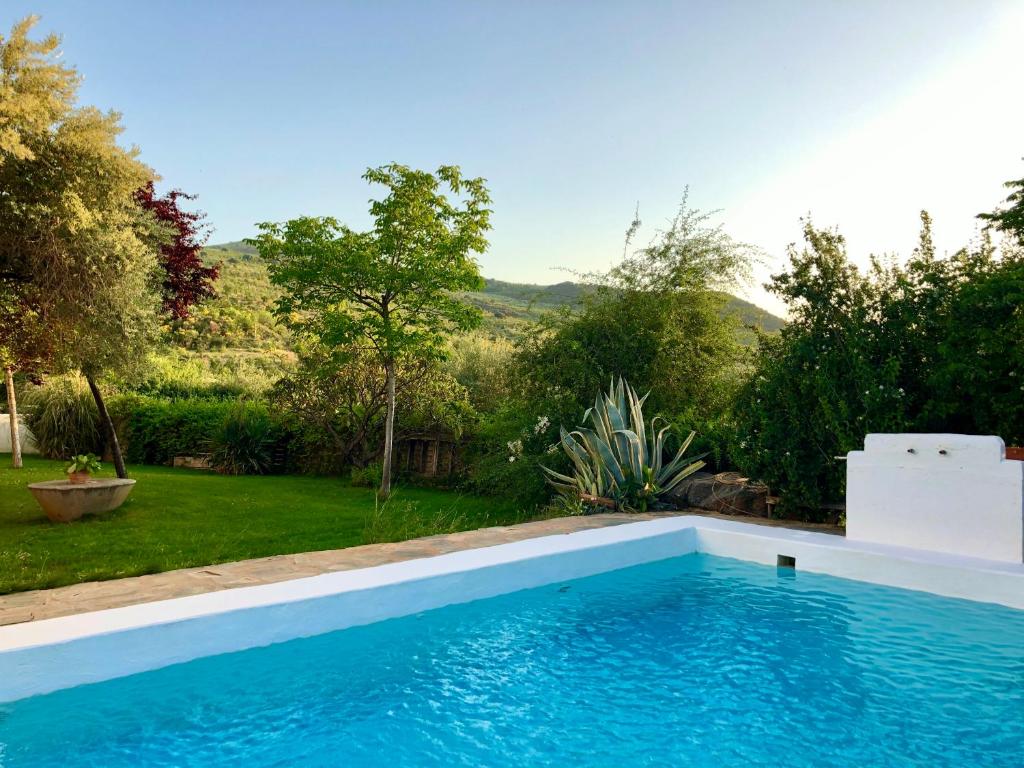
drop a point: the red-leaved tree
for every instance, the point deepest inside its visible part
(187, 281)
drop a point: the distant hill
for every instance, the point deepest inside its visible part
(507, 307)
(238, 247)
(525, 300)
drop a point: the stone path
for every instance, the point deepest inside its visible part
(98, 595)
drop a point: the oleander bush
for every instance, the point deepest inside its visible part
(930, 346)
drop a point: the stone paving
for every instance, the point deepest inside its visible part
(98, 595)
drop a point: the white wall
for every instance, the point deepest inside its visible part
(28, 443)
(945, 493)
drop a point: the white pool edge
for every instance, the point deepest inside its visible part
(42, 656)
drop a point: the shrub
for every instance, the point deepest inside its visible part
(483, 365)
(368, 476)
(504, 456)
(62, 416)
(620, 459)
(335, 406)
(243, 441)
(933, 346)
(155, 430)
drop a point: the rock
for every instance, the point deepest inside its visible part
(727, 492)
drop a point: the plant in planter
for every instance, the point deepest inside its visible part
(619, 462)
(81, 467)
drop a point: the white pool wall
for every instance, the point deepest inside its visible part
(42, 656)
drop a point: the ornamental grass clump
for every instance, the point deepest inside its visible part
(618, 462)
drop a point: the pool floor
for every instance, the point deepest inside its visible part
(697, 660)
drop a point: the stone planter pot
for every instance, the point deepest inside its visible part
(78, 478)
(64, 501)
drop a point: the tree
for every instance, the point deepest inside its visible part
(75, 245)
(1010, 218)
(23, 346)
(391, 289)
(336, 401)
(929, 346)
(186, 279)
(657, 319)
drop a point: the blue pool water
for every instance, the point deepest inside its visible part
(696, 661)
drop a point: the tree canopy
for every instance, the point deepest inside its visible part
(392, 289)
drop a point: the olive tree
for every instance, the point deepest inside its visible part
(391, 289)
(76, 248)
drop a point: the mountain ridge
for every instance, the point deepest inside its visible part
(507, 304)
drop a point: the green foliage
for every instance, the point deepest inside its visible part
(484, 366)
(177, 373)
(390, 287)
(62, 416)
(620, 457)
(932, 346)
(240, 317)
(334, 403)
(675, 346)
(72, 237)
(242, 444)
(84, 462)
(156, 430)
(368, 476)
(1010, 218)
(393, 288)
(504, 454)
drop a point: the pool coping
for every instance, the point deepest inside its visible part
(84, 597)
(46, 655)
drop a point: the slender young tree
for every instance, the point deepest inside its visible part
(393, 288)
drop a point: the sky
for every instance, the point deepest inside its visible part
(858, 113)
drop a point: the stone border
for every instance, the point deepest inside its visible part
(90, 596)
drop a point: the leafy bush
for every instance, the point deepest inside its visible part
(504, 454)
(243, 441)
(63, 418)
(620, 459)
(155, 430)
(368, 476)
(932, 346)
(335, 407)
(483, 365)
(178, 374)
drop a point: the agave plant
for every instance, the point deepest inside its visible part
(619, 460)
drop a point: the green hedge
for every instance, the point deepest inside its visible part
(155, 430)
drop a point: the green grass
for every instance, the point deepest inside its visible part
(178, 518)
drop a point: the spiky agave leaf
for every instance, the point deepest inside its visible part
(617, 450)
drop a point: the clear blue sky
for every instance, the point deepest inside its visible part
(573, 111)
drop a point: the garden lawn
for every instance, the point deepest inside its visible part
(179, 518)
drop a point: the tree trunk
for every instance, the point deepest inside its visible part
(108, 424)
(389, 432)
(12, 409)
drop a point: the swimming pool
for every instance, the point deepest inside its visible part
(695, 660)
